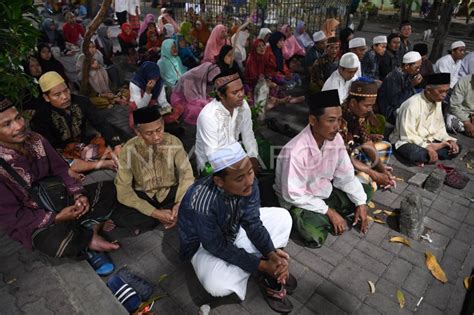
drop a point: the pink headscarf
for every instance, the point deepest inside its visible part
(214, 44)
(148, 18)
(291, 47)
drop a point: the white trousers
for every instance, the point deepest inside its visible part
(221, 278)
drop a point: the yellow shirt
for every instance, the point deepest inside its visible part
(420, 122)
(153, 170)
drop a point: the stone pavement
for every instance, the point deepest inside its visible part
(332, 279)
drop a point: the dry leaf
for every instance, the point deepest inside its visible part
(399, 239)
(399, 179)
(469, 166)
(467, 282)
(11, 281)
(377, 211)
(435, 268)
(401, 298)
(390, 213)
(371, 205)
(372, 287)
(375, 220)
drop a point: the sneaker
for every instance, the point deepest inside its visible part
(453, 124)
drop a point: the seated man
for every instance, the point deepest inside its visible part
(31, 157)
(420, 134)
(323, 67)
(462, 105)
(399, 85)
(224, 120)
(63, 123)
(310, 165)
(227, 236)
(153, 175)
(342, 78)
(368, 152)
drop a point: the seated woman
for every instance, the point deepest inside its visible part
(216, 41)
(166, 18)
(291, 47)
(302, 36)
(30, 102)
(51, 35)
(104, 44)
(255, 77)
(329, 27)
(200, 34)
(185, 52)
(145, 27)
(48, 62)
(192, 90)
(171, 67)
(168, 31)
(147, 89)
(264, 34)
(145, 36)
(276, 66)
(128, 42)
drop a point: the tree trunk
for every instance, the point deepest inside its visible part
(405, 10)
(93, 26)
(442, 31)
(433, 15)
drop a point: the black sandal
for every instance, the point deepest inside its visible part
(275, 295)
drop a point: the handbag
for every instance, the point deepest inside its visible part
(49, 193)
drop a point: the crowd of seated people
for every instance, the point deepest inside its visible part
(364, 106)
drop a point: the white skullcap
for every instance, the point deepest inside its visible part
(379, 40)
(411, 57)
(349, 60)
(357, 42)
(319, 36)
(457, 44)
(226, 156)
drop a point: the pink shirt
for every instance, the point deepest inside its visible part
(306, 174)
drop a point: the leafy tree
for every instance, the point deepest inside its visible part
(18, 36)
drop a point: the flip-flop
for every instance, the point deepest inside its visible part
(101, 263)
(126, 295)
(276, 298)
(143, 287)
(291, 284)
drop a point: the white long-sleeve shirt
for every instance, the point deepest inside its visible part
(448, 65)
(467, 65)
(420, 122)
(337, 82)
(143, 99)
(305, 174)
(217, 128)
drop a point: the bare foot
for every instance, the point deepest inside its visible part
(99, 244)
(108, 226)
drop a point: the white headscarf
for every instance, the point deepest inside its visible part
(239, 43)
(264, 32)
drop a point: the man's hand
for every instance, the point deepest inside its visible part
(432, 154)
(165, 216)
(338, 223)
(453, 147)
(66, 214)
(149, 86)
(469, 128)
(382, 179)
(361, 216)
(416, 79)
(82, 205)
(276, 266)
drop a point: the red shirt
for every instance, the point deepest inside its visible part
(72, 32)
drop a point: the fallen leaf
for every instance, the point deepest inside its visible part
(11, 281)
(399, 239)
(375, 220)
(371, 205)
(435, 268)
(372, 287)
(399, 179)
(467, 282)
(469, 166)
(401, 298)
(390, 213)
(377, 211)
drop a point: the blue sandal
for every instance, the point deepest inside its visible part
(126, 295)
(101, 263)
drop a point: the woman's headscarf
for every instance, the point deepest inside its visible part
(193, 84)
(50, 65)
(46, 25)
(152, 43)
(328, 27)
(202, 36)
(148, 71)
(99, 80)
(183, 52)
(303, 38)
(239, 40)
(343, 36)
(169, 30)
(26, 66)
(171, 67)
(214, 44)
(130, 38)
(274, 39)
(225, 68)
(291, 47)
(148, 18)
(264, 32)
(164, 19)
(103, 38)
(185, 30)
(255, 65)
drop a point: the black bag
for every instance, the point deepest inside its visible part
(49, 193)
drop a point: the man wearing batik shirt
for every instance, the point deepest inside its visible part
(315, 178)
(61, 234)
(369, 153)
(323, 67)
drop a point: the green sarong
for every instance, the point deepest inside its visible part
(313, 227)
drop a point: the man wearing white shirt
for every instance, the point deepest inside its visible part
(451, 63)
(120, 9)
(358, 46)
(467, 65)
(341, 79)
(224, 119)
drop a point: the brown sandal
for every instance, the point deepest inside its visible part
(276, 299)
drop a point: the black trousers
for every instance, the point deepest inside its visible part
(121, 17)
(128, 217)
(71, 239)
(416, 154)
